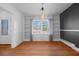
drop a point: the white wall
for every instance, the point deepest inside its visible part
(51, 26)
(51, 29)
(5, 39)
(56, 28)
(27, 28)
(16, 24)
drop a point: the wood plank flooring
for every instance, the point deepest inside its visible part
(6, 50)
(38, 49)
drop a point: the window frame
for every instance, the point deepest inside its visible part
(4, 28)
(41, 30)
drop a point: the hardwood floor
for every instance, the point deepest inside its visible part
(38, 49)
(6, 50)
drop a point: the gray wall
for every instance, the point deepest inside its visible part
(69, 22)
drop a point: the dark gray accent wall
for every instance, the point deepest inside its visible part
(69, 20)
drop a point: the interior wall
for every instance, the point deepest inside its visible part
(54, 35)
(27, 28)
(28, 36)
(56, 27)
(5, 39)
(16, 25)
(70, 24)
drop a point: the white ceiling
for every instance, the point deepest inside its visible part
(32, 9)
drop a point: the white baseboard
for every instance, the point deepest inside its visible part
(72, 45)
(4, 43)
(40, 39)
(15, 45)
(26, 40)
(36, 40)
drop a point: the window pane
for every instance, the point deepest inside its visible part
(36, 27)
(45, 27)
(4, 27)
(40, 27)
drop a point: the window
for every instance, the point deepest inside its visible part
(36, 26)
(4, 27)
(40, 27)
(45, 27)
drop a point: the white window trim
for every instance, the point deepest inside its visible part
(41, 27)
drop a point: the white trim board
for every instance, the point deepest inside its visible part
(70, 30)
(70, 44)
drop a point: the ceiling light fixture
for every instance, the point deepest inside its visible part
(42, 15)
